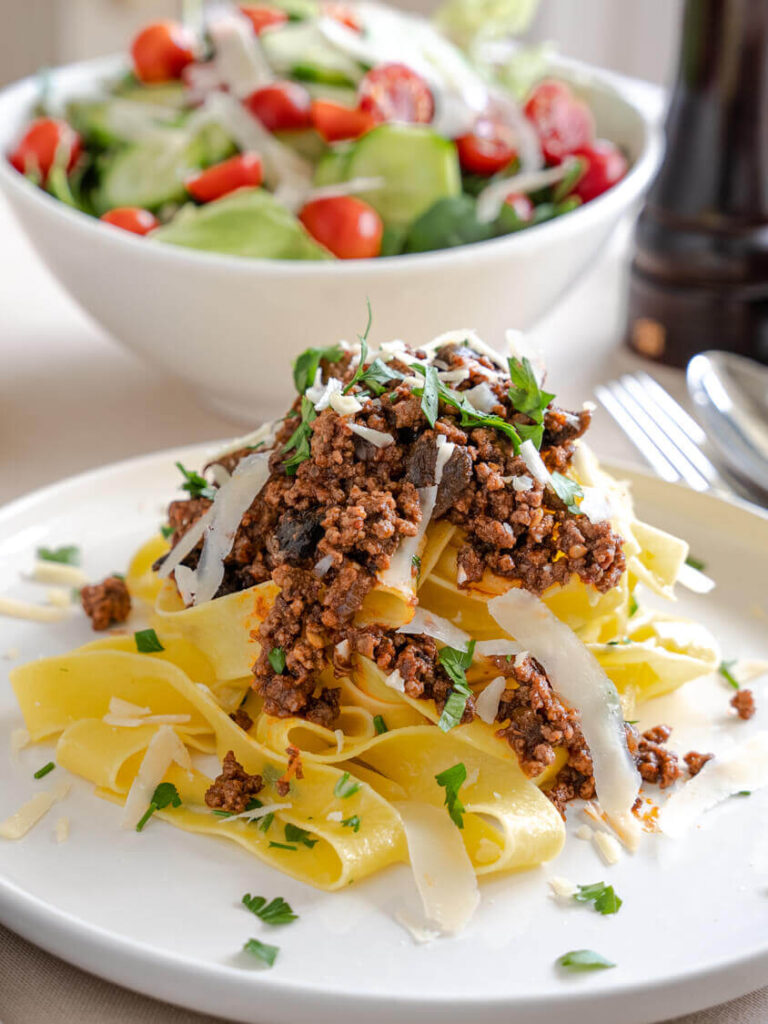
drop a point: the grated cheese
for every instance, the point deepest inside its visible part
(339, 734)
(344, 405)
(18, 824)
(257, 812)
(163, 749)
(584, 832)
(608, 847)
(395, 681)
(58, 572)
(31, 612)
(334, 816)
(563, 889)
(19, 739)
(535, 463)
(126, 722)
(118, 706)
(487, 704)
(61, 830)
(378, 438)
(433, 625)
(695, 581)
(58, 597)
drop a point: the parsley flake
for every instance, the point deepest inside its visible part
(567, 491)
(69, 554)
(277, 911)
(725, 671)
(345, 787)
(455, 664)
(195, 485)
(45, 770)
(167, 532)
(353, 823)
(277, 660)
(147, 642)
(379, 725)
(524, 391)
(452, 779)
(583, 960)
(602, 896)
(294, 834)
(307, 364)
(299, 441)
(696, 563)
(262, 951)
(633, 605)
(283, 846)
(165, 794)
(430, 397)
(363, 339)
(266, 821)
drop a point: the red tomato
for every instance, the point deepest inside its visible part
(335, 122)
(521, 204)
(485, 150)
(343, 14)
(564, 124)
(606, 165)
(283, 106)
(392, 92)
(131, 218)
(44, 138)
(161, 51)
(219, 180)
(263, 17)
(350, 228)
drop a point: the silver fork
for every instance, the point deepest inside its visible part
(661, 430)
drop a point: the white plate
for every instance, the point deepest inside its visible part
(159, 912)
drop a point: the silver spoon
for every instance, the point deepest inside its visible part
(730, 393)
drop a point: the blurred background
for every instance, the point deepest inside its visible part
(639, 39)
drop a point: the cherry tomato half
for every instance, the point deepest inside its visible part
(564, 123)
(606, 165)
(521, 204)
(392, 92)
(350, 228)
(485, 150)
(131, 218)
(40, 144)
(335, 122)
(237, 172)
(343, 14)
(263, 17)
(161, 51)
(282, 106)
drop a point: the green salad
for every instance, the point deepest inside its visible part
(314, 131)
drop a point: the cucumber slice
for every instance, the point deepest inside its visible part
(211, 145)
(113, 122)
(301, 44)
(418, 166)
(164, 94)
(148, 173)
(333, 167)
(250, 222)
(306, 143)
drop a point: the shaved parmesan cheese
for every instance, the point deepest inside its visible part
(457, 376)
(17, 825)
(534, 462)
(596, 505)
(584, 832)
(497, 648)
(118, 706)
(334, 816)
(126, 722)
(482, 397)
(576, 675)
(745, 670)
(487, 704)
(345, 405)
(320, 393)
(31, 612)
(237, 55)
(58, 572)
(563, 889)
(61, 830)
(395, 681)
(185, 582)
(343, 649)
(19, 739)
(376, 437)
(745, 769)
(441, 866)
(608, 847)
(520, 483)
(492, 197)
(257, 812)
(694, 580)
(441, 629)
(163, 749)
(339, 734)
(445, 449)
(263, 437)
(187, 544)
(418, 932)
(58, 597)
(352, 187)
(467, 337)
(323, 565)
(486, 851)
(219, 474)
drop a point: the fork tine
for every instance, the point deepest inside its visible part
(643, 419)
(672, 419)
(652, 454)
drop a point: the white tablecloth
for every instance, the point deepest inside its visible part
(71, 399)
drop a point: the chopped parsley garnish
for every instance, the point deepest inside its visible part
(69, 554)
(165, 794)
(583, 960)
(469, 416)
(353, 823)
(266, 821)
(267, 954)
(633, 605)
(696, 563)
(277, 660)
(283, 846)
(379, 725)
(455, 664)
(525, 394)
(725, 671)
(195, 485)
(363, 339)
(377, 376)
(567, 491)
(277, 911)
(416, 564)
(294, 834)
(42, 772)
(147, 642)
(603, 896)
(452, 779)
(430, 396)
(306, 366)
(167, 531)
(744, 792)
(298, 442)
(346, 786)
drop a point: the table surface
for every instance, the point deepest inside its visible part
(71, 399)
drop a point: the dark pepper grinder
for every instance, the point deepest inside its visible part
(699, 275)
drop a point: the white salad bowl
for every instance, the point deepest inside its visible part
(227, 325)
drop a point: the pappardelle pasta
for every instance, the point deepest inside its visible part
(406, 621)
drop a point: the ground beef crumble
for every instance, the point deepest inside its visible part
(234, 788)
(744, 703)
(107, 603)
(242, 718)
(323, 529)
